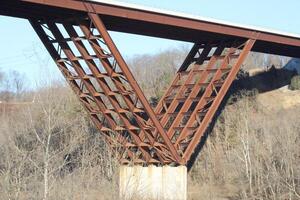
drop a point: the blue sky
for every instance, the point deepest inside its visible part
(22, 51)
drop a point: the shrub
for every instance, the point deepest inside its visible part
(295, 83)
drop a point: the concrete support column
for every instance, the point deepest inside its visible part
(153, 183)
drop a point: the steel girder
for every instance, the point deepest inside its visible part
(91, 63)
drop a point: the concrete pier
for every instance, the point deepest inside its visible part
(152, 182)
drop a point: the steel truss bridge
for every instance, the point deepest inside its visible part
(75, 33)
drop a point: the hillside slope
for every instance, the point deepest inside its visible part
(280, 99)
(253, 150)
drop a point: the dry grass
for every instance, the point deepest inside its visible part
(51, 151)
(251, 154)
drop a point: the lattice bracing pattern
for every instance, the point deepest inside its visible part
(105, 90)
(87, 57)
(197, 90)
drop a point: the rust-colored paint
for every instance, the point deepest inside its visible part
(158, 25)
(218, 98)
(109, 92)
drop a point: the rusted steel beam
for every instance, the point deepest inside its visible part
(213, 108)
(204, 73)
(84, 99)
(87, 90)
(175, 83)
(117, 105)
(184, 86)
(155, 24)
(92, 65)
(121, 62)
(179, 75)
(165, 20)
(206, 96)
(90, 87)
(124, 93)
(190, 57)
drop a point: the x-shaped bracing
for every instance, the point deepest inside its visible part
(91, 63)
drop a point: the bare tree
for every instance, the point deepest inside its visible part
(51, 150)
(13, 85)
(18, 82)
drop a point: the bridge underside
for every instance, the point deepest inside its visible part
(79, 43)
(88, 58)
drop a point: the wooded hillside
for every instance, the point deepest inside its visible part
(49, 148)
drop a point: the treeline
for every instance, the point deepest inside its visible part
(49, 149)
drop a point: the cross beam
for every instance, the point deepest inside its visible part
(91, 63)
